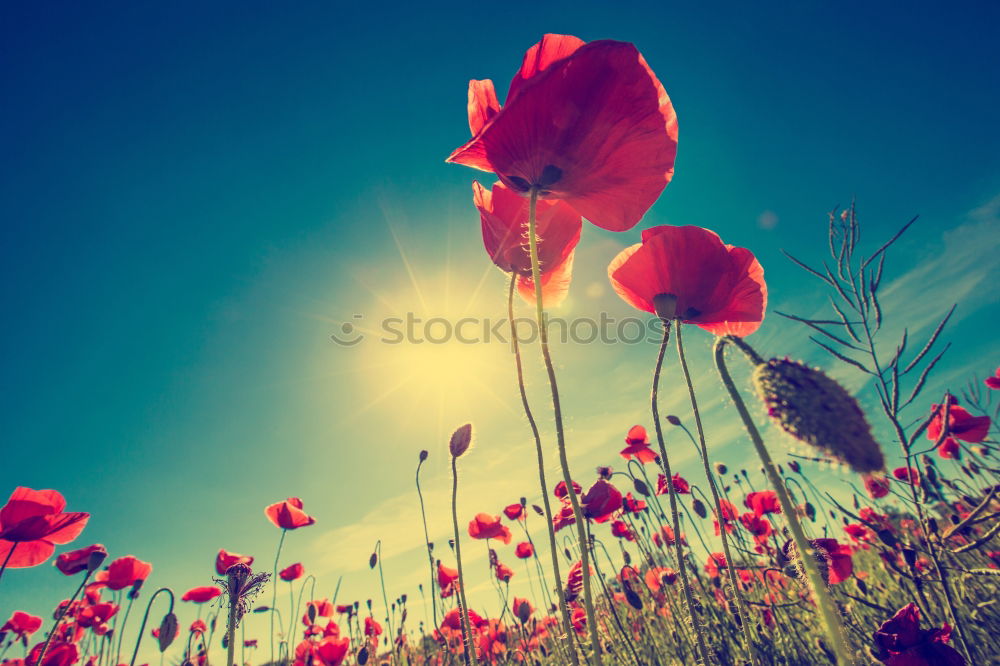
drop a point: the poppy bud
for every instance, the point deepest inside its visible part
(538, 509)
(640, 487)
(795, 466)
(261, 609)
(818, 411)
(168, 629)
(311, 612)
(811, 511)
(373, 560)
(699, 508)
(862, 586)
(721, 469)
(932, 525)
(95, 560)
(460, 440)
(632, 598)
(423, 455)
(136, 586)
(524, 502)
(403, 598)
(910, 556)
(888, 538)
(673, 420)
(567, 554)
(363, 656)
(627, 557)
(523, 611)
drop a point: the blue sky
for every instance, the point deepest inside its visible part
(194, 197)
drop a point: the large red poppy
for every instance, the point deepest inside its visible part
(601, 501)
(124, 572)
(717, 287)
(32, 523)
(288, 515)
(485, 526)
(961, 424)
(589, 124)
(504, 217)
(200, 595)
(638, 445)
(225, 559)
(21, 624)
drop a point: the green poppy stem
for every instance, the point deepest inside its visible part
(703, 653)
(744, 616)
(828, 612)
(467, 641)
(427, 544)
(547, 506)
(543, 337)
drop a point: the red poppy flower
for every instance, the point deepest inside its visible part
(950, 449)
(876, 486)
(560, 489)
(633, 505)
(869, 515)
(589, 124)
(857, 532)
(834, 559)
(521, 608)
(96, 614)
(907, 474)
(961, 424)
(372, 628)
(762, 501)
(199, 627)
(994, 381)
(514, 512)
(564, 517)
(485, 526)
(574, 581)
(32, 523)
(225, 559)
(668, 536)
(453, 619)
(757, 526)
(75, 561)
(503, 572)
(680, 484)
(288, 515)
(323, 608)
(900, 641)
(291, 573)
(524, 550)
(22, 625)
(657, 577)
(200, 595)
(716, 561)
(638, 445)
(621, 530)
(58, 654)
(717, 287)
(601, 501)
(504, 218)
(124, 572)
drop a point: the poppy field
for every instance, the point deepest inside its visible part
(631, 563)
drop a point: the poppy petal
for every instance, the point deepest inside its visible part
(26, 553)
(483, 104)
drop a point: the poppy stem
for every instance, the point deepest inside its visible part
(381, 578)
(10, 553)
(467, 642)
(62, 612)
(145, 618)
(543, 338)
(703, 653)
(828, 612)
(553, 549)
(743, 615)
(427, 544)
(274, 588)
(231, 629)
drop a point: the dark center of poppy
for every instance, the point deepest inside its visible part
(690, 313)
(550, 175)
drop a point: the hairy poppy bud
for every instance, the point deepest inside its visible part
(423, 455)
(168, 630)
(673, 420)
(818, 411)
(795, 466)
(699, 508)
(373, 560)
(538, 509)
(640, 487)
(721, 469)
(95, 560)
(523, 501)
(460, 440)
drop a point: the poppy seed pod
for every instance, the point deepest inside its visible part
(460, 441)
(721, 469)
(673, 420)
(423, 455)
(818, 411)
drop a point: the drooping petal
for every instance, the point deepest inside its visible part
(483, 104)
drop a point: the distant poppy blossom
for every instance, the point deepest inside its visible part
(564, 517)
(524, 550)
(638, 445)
(504, 217)
(225, 559)
(485, 526)
(621, 530)
(949, 449)
(503, 572)
(907, 474)
(372, 628)
(75, 561)
(632, 505)
(200, 595)
(961, 424)
(293, 572)
(32, 523)
(833, 559)
(288, 515)
(601, 502)
(124, 572)
(657, 577)
(714, 286)
(514, 511)
(762, 501)
(876, 486)
(22, 625)
(679, 483)
(560, 489)
(994, 381)
(198, 627)
(588, 124)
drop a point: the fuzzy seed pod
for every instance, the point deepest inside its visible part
(461, 439)
(818, 411)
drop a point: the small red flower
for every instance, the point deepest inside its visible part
(446, 577)
(633, 505)
(514, 511)
(900, 641)
(294, 572)
(75, 561)
(503, 572)
(716, 561)
(560, 489)
(288, 515)
(124, 572)
(225, 559)
(485, 526)
(372, 628)
(200, 595)
(621, 530)
(949, 448)
(961, 424)
(657, 577)
(638, 445)
(717, 287)
(32, 523)
(907, 474)
(588, 124)
(601, 501)
(504, 217)
(834, 559)
(679, 483)
(762, 501)
(994, 381)
(58, 654)
(22, 625)
(876, 486)
(563, 518)
(524, 550)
